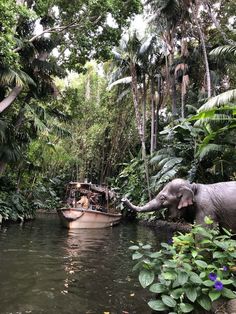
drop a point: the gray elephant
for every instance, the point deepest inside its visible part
(195, 201)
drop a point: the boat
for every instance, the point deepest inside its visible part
(87, 206)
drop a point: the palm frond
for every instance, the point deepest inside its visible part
(60, 131)
(161, 154)
(170, 163)
(10, 152)
(205, 151)
(38, 122)
(167, 173)
(225, 98)
(224, 50)
(146, 45)
(10, 77)
(124, 80)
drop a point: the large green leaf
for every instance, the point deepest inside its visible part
(228, 293)
(186, 307)
(169, 301)
(157, 305)
(146, 278)
(182, 278)
(157, 288)
(191, 293)
(195, 278)
(214, 295)
(205, 302)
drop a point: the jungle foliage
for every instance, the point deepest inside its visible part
(83, 96)
(188, 274)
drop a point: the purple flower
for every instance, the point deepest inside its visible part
(212, 276)
(170, 241)
(218, 285)
(225, 268)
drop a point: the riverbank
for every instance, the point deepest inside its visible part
(166, 225)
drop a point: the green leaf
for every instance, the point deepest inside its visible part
(169, 301)
(191, 294)
(134, 247)
(187, 266)
(157, 288)
(169, 275)
(176, 294)
(137, 255)
(202, 274)
(171, 264)
(218, 255)
(205, 302)
(227, 281)
(214, 295)
(146, 278)
(201, 263)
(186, 307)
(182, 278)
(208, 283)
(146, 247)
(208, 220)
(228, 293)
(194, 254)
(155, 255)
(195, 278)
(157, 305)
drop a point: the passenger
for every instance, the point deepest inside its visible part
(83, 202)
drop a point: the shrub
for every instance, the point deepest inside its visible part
(190, 272)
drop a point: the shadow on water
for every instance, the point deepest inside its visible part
(48, 269)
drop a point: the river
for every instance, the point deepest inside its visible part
(47, 269)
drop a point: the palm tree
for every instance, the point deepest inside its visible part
(168, 15)
(128, 57)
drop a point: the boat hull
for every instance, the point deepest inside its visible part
(75, 218)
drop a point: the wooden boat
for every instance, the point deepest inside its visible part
(89, 206)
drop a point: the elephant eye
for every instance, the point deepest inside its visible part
(162, 198)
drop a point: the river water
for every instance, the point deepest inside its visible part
(47, 269)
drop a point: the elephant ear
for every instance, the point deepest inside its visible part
(186, 196)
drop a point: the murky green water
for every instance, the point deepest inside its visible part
(47, 269)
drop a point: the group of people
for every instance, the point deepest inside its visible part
(89, 200)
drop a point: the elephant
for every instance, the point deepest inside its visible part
(194, 201)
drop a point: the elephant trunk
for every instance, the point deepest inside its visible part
(150, 206)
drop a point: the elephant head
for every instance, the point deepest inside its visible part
(176, 196)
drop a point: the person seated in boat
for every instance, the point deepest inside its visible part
(83, 202)
(93, 200)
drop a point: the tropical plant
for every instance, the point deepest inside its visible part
(188, 272)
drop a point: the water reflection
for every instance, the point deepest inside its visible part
(48, 269)
(82, 241)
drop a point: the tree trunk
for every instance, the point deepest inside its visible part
(158, 106)
(202, 39)
(5, 103)
(139, 121)
(174, 96)
(144, 97)
(3, 166)
(153, 118)
(182, 104)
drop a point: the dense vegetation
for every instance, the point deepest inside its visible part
(189, 275)
(82, 95)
